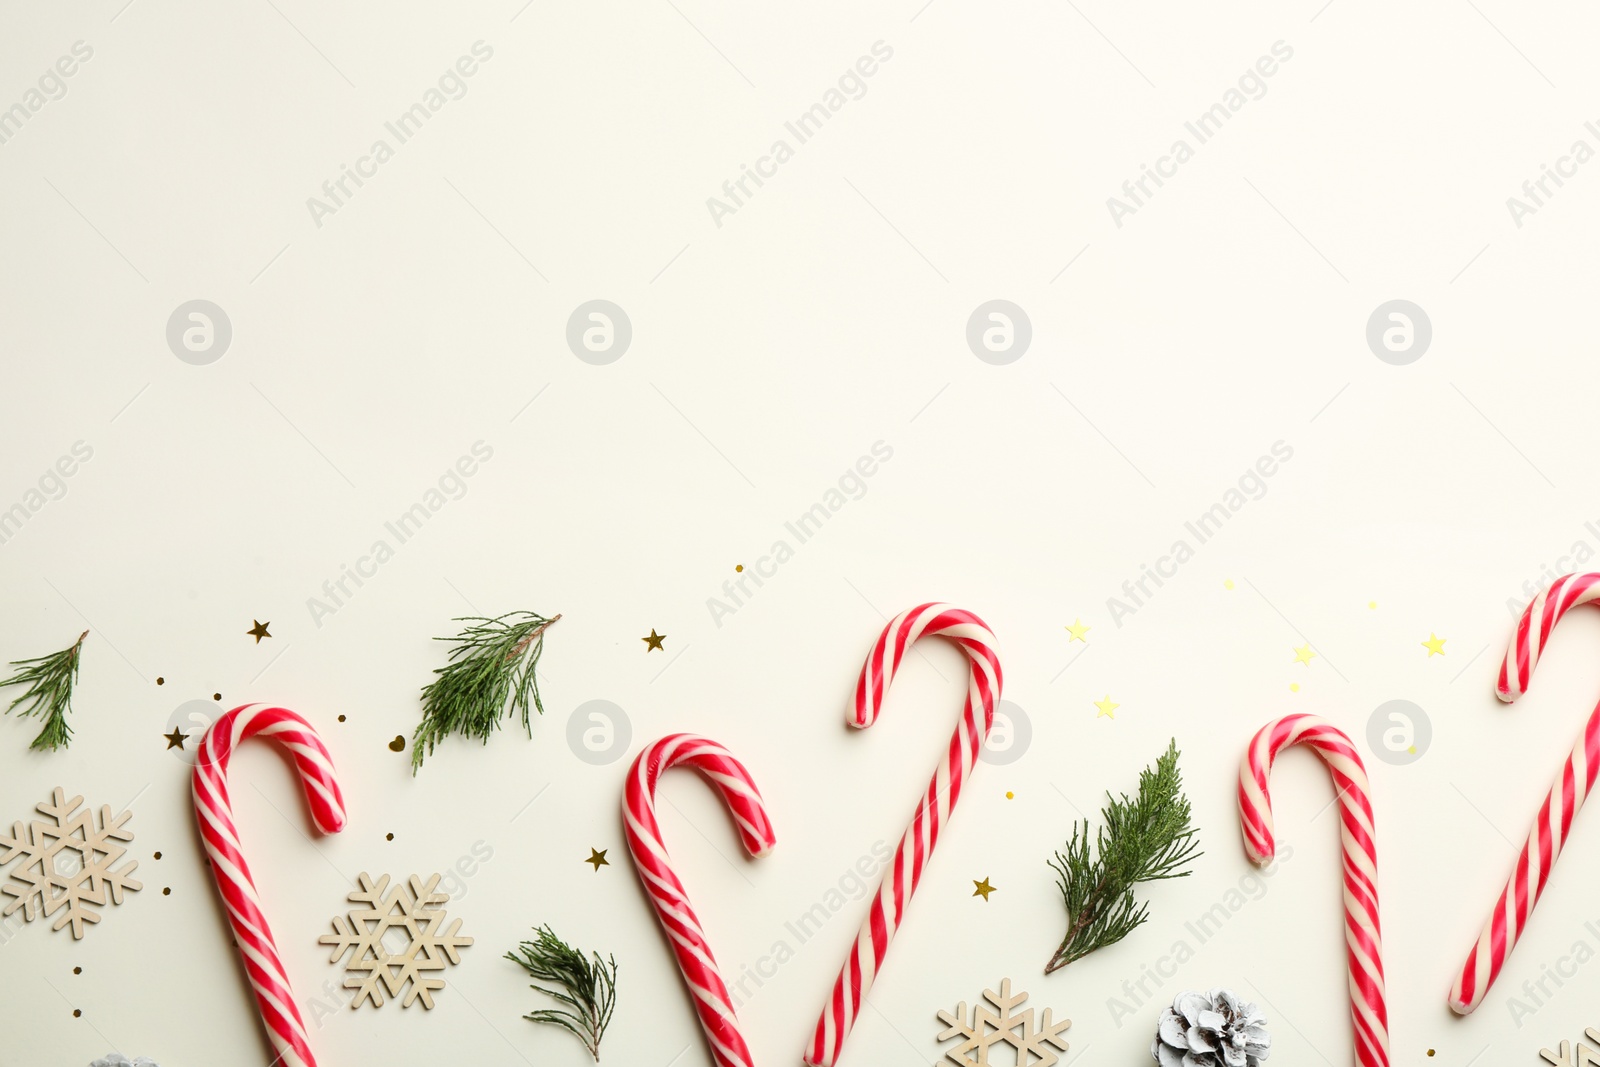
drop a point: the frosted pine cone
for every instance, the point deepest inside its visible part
(117, 1059)
(1214, 1029)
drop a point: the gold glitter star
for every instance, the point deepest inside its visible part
(1107, 708)
(1303, 654)
(982, 889)
(1078, 629)
(1434, 644)
(598, 858)
(176, 738)
(259, 630)
(654, 640)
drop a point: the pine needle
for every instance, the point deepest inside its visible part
(590, 991)
(49, 694)
(1145, 839)
(492, 663)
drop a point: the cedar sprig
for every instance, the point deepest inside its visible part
(588, 989)
(492, 663)
(1145, 839)
(49, 694)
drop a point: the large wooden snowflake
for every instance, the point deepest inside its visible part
(68, 863)
(985, 1029)
(370, 934)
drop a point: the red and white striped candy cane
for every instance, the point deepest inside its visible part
(888, 909)
(214, 812)
(738, 790)
(1369, 1009)
(1549, 833)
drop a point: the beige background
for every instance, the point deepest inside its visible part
(828, 313)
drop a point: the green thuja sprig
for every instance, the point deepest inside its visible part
(492, 663)
(1144, 839)
(49, 694)
(587, 988)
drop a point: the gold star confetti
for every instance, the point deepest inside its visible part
(1010, 795)
(1434, 644)
(654, 640)
(1372, 605)
(1228, 584)
(598, 858)
(982, 889)
(1107, 708)
(176, 738)
(1294, 687)
(259, 630)
(1077, 630)
(1303, 654)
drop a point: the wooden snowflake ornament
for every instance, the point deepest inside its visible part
(1582, 1056)
(68, 863)
(984, 1029)
(364, 934)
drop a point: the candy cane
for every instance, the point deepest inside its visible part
(1549, 834)
(711, 1001)
(888, 908)
(1369, 1009)
(214, 812)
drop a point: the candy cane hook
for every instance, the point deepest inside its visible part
(973, 637)
(1369, 1009)
(738, 790)
(214, 812)
(1549, 834)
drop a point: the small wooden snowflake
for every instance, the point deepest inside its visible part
(1582, 1056)
(68, 863)
(365, 934)
(1005, 1025)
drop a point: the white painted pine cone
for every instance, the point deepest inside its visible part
(1214, 1029)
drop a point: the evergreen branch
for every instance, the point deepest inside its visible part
(49, 694)
(590, 990)
(1144, 839)
(492, 663)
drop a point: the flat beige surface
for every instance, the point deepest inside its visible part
(420, 321)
